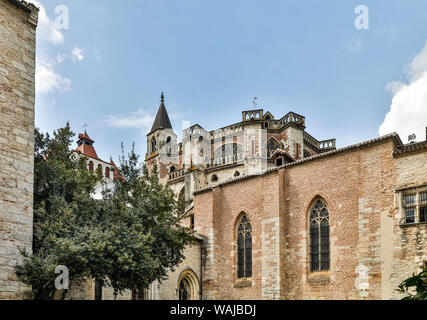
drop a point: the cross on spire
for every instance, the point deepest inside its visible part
(85, 125)
(162, 97)
(254, 102)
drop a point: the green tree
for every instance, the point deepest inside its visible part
(62, 189)
(126, 240)
(144, 238)
(415, 287)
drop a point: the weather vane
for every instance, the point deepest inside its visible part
(254, 102)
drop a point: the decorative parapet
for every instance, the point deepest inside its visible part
(322, 146)
(311, 140)
(176, 174)
(252, 115)
(227, 131)
(291, 117)
(327, 145)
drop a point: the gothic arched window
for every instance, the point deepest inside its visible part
(91, 166)
(153, 145)
(272, 146)
(244, 248)
(319, 237)
(107, 173)
(168, 146)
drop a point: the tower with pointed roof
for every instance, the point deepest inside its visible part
(85, 148)
(161, 137)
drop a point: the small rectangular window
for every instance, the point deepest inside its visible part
(410, 215)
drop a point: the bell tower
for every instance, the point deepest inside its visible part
(161, 139)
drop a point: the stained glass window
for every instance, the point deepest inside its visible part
(244, 248)
(319, 237)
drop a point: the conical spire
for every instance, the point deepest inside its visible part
(162, 119)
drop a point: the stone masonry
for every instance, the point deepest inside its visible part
(18, 22)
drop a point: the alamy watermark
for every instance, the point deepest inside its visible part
(62, 20)
(362, 20)
(62, 282)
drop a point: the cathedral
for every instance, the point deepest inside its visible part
(280, 214)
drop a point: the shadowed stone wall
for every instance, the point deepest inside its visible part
(17, 90)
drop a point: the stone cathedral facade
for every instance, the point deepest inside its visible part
(280, 214)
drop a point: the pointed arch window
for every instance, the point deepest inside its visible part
(91, 166)
(272, 146)
(244, 248)
(153, 145)
(319, 237)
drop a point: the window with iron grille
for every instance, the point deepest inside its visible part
(410, 215)
(319, 237)
(409, 203)
(244, 248)
(415, 207)
(409, 200)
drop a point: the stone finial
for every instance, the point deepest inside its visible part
(162, 98)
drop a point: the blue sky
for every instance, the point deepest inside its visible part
(212, 57)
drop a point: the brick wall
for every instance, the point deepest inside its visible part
(17, 81)
(368, 246)
(217, 214)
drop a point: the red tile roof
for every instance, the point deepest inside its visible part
(85, 136)
(85, 149)
(88, 151)
(117, 174)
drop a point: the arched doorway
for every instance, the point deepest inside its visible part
(188, 286)
(184, 290)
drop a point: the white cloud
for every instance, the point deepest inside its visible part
(46, 28)
(77, 54)
(138, 119)
(48, 80)
(408, 110)
(60, 58)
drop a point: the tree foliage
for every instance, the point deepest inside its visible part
(415, 287)
(126, 240)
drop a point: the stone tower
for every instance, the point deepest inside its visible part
(18, 22)
(160, 141)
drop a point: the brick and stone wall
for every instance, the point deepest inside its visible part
(370, 252)
(17, 94)
(216, 214)
(168, 290)
(408, 243)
